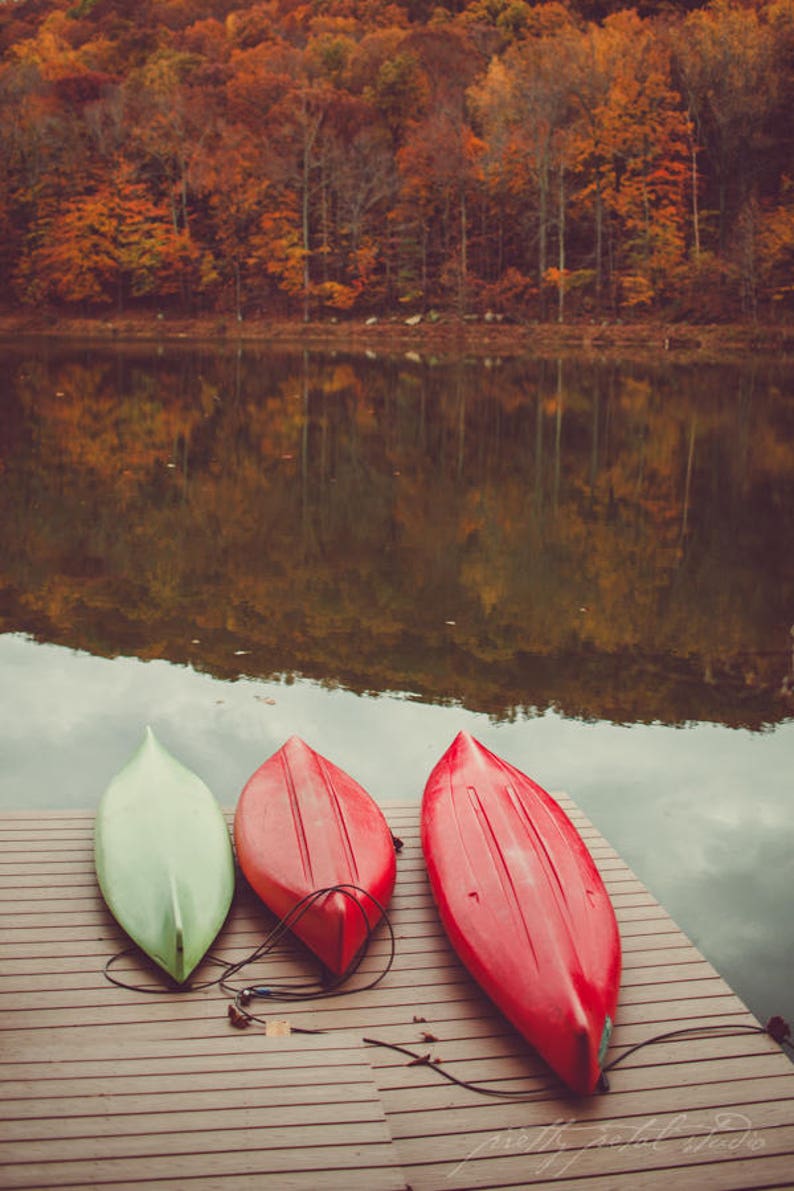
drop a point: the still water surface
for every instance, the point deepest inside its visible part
(587, 565)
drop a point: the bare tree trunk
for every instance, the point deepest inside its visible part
(326, 239)
(305, 228)
(543, 219)
(561, 241)
(311, 126)
(463, 267)
(695, 207)
(599, 242)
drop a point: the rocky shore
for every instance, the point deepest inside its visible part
(440, 334)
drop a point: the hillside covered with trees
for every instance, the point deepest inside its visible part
(311, 158)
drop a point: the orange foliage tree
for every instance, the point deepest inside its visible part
(644, 139)
(107, 245)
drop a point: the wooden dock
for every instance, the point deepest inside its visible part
(105, 1086)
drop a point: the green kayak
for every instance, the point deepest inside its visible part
(163, 858)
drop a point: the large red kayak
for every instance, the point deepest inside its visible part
(524, 906)
(302, 825)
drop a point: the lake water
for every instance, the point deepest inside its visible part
(586, 564)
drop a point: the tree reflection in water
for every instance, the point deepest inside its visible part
(608, 539)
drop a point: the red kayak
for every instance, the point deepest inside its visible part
(303, 825)
(524, 906)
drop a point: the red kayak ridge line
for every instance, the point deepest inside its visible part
(524, 906)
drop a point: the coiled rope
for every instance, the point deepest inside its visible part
(278, 990)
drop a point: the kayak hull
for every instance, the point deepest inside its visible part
(163, 858)
(524, 906)
(302, 825)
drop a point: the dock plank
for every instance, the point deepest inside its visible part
(106, 1086)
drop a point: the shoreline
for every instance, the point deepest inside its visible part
(444, 335)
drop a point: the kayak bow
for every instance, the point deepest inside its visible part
(302, 825)
(524, 906)
(163, 858)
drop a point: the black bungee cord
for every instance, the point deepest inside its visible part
(160, 989)
(291, 990)
(776, 1028)
(425, 1060)
(277, 990)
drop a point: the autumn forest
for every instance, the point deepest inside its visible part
(352, 158)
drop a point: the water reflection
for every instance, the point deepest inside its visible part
(568, 559)
(608, 540)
